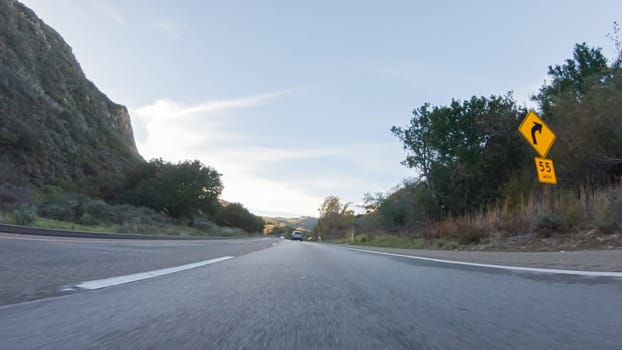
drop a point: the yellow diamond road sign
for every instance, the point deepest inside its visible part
(537, 133)
(546, 171)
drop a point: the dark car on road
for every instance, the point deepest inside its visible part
(297, 235)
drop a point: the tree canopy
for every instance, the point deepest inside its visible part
(335, 219)
(468, 155)
(582, 103)
(235, 215)
(180, 190)
(466, 151)
(574, 78)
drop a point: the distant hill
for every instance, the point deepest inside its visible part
(305, 222)
(55, 125)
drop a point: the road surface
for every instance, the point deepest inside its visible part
(302, 295)
(34, 267)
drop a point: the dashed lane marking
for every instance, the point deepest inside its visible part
(114, 281)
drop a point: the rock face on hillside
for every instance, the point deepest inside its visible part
(55, 125)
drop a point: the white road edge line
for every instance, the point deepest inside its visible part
(114, 281)
(503, 267)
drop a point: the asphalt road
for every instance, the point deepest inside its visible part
(34, 267)
(302, 295)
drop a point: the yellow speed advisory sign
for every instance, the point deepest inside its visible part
(546, 171)
(537, 133)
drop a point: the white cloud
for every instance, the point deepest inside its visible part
(177, 132)
(264, 178)
(169, 26)
(244, 102)
(168, 109)
(112, 12)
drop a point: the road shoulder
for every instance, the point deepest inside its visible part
(588, 260)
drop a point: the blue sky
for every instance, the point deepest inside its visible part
(293, 101)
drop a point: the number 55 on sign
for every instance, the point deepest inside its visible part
(546, 171)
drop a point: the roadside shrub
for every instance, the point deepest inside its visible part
(361, 238)
(436, 230)
(547, 223)
(129, 214)
(7, 218)
(97, 212)
(56, 211)
(235, 215)
(87, 219)
(25, 215)
(369, 222)
(61, 206)
(472, 233)
(13, 197)
(609, 212)
(570, 210)
(511, 224)
(463, 231)
(80, 209)
(141, 215)
(205, 225)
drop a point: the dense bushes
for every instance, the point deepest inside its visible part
(159, 193)
(469, 153)
(465, 152)
(583, 104)
(608, 212)
(235, 215)
(25, 215)
(181, 190)
(80, 209)
(13, 197)
(408, 206)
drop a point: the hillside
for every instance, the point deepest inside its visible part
(305, 222)
(56, 127)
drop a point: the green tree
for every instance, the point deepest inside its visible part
(180, 190)
(336, 217)
(409, 205)
(574, 78)
(583, 104)
(465, 152)
(402, 210)
(235, 215)
(373, 201)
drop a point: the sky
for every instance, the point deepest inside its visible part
(293, 101)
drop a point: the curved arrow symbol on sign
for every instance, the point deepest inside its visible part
(536, 127)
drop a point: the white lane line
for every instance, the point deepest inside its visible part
(113, 281)
(503, 267)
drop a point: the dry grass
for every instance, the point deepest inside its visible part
(464, 230)
(552, 211)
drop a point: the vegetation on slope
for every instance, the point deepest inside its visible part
(67, 153)
(476, 180)
(56, 127)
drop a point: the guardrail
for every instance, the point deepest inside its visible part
(27, 230)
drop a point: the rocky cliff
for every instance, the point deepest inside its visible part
(55, 125)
